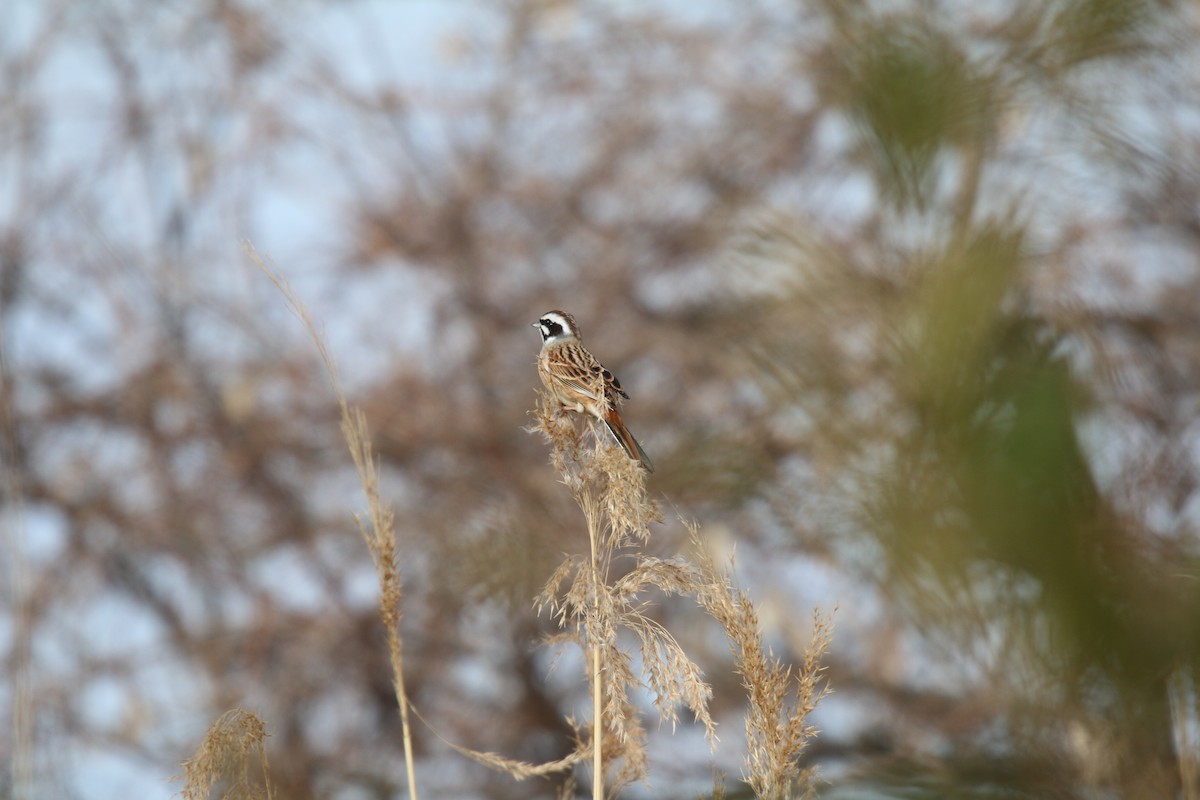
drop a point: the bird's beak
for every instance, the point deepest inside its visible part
(534, 325)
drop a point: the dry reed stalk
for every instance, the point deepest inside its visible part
(597, 686)
(610, 491)
(780, 700)
(381, 542)
(380, 534)
(520, 770)
(226, 753)
(592, 609)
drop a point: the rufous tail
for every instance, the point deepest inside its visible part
(616, 427)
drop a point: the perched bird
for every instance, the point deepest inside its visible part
(580, 383)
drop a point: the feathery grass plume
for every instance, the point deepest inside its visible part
(227, 753)
(610, 490)
(777, 727)
(718, 779)
(591, 609)
(380, 534)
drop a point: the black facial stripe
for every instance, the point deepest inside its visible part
(550, 328)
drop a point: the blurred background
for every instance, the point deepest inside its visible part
(906, 296)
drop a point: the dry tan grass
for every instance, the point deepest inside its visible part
(380, 533)
(780, 699)
(227, 756)
(591, 609)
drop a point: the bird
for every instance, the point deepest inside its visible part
(578, 382)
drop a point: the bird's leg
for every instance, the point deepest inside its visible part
(587, 429)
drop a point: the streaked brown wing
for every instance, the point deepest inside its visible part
(575, 369)
(612, 385)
